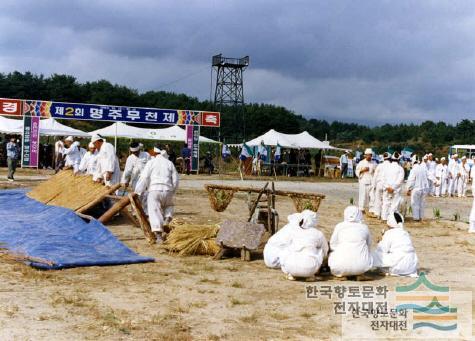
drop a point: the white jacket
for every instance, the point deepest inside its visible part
(377, 180)
(418, 178)
(133, 167)
(441, 171)
(350, 244)
(396, 251)
(393, 176)
(73, 155)
(159, 174)
(107, 162)
(88, 163)
(455, 169)
(365, 177)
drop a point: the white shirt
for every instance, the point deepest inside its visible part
(133, 167)
(365, 177)
(59, 147)
(418, 178)
(88, 163)
(159, 174)
(73, 155)
(107, 162)
(454, 169)
(441, 171)
(393, 176)
(378, 173)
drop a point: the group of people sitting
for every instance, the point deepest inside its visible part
(301, 250)
(151, 175)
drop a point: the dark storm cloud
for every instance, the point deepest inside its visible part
(362, 61)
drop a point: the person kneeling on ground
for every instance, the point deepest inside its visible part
(160, 179)
(350, 244)
(307, 249)
(395, 251)
(277, 245)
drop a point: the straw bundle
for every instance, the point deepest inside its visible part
(219, 198)
(67, 190)
(306, 202)
(187, 240)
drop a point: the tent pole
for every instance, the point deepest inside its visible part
(115, 138)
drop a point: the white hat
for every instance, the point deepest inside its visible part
(395, 219)
(464, 158)
(156, 150)
(455, 155)
(425, 157)
(91, 145)
(96, 137)
(430, 154)
(69, 138)
(368, 151)
(442, 159)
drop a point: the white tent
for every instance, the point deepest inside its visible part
(10, 126)
(173, 133)
(298, 141)
(49, 127)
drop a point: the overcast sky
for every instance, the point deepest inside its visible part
(362, 61)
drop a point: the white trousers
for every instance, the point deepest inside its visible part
(363, 197)
(391, 202)
(453, 184)
(462, 186)
(377, 200)
(472, 216)
(160, 206)
(417, 203)
(441, 190)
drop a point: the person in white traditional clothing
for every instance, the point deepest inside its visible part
(454, 174)
(307, 249)
(472, 213)
(350, 245)
(134, 165)
(395, 254)
(364, 172)
(108, 169)
(377, 186)
(277, 245)
(417, 188)
(160, 179)
(72, 154)
(462, 184)
(441, 177)
(58, 155)
(393, 178)
(431, 166)
(88, 163)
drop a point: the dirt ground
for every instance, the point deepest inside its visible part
(196, 297)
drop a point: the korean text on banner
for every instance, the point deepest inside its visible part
(31, 141)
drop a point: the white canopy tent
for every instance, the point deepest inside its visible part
(173, 133)
(298, 141)
(48, 127)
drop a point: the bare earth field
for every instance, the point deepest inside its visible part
(196, 297)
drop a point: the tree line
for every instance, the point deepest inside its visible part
(254, 119)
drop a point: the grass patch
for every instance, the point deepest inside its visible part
(237, 285)
(234, 301)
(209, 280)
(249, 318)
(279, 316)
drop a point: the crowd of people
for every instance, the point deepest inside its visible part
(299, 249)
(381, 185)
(149, 174)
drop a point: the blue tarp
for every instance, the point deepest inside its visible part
(58, 235)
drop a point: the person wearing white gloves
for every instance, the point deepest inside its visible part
(160, 179)
(72, 154)
(108, 169)
(307, 249)
(88, 163)
(395, 253)
(393, 178)
(277, 244)
(417, 188)
(441, 177)
(350, 245)
(364, 172)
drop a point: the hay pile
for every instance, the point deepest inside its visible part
(66, 190)
(187, 240)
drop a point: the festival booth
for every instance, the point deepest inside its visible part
(300, 141)
(173, 133)
(48, 127)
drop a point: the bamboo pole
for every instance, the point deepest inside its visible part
(97, 200)
(258, 190)
(143, 220)
(116, 208)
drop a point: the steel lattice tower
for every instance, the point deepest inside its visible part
(229, 92)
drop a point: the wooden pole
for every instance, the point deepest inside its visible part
(254, 205)
(143, 220)
(116, 208)
(98, 200)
